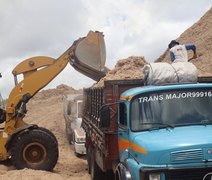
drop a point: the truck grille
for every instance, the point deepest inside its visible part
(191, 174)
(187, 155)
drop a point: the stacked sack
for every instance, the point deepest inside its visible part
(162, 73)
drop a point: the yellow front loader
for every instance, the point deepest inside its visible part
(30, 146)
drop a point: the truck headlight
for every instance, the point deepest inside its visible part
(154, 177)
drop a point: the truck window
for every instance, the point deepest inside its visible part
(173, 108)
(123, 115)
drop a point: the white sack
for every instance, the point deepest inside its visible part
(186, 71)
(162, 73)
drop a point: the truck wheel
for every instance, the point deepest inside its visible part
(96, 172)
(110, 175)
(122, 172)
(35, 149)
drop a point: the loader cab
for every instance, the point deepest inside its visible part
(1, 102)
(2, 111)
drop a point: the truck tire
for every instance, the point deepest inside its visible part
(35, 149)
(96, 172)
(122, 172)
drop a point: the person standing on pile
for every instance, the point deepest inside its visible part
(178, 52)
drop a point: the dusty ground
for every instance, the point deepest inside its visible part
(46, 110)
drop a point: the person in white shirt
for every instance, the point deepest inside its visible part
(178, 52)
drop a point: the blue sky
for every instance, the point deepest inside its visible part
(49, 27)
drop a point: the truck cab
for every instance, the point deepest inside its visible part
(79, 133)
(73, 119)
(165, 132)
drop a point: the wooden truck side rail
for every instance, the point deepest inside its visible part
(205, 79)
(105, 140)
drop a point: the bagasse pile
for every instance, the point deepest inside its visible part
(130, 68)
(59, 91)
(201, 35)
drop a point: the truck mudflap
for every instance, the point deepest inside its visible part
(194, 173)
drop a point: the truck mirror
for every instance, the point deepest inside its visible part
(105, 117)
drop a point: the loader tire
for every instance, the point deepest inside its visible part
(35, 149)
(49, 132)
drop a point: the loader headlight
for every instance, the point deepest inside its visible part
(154, 176)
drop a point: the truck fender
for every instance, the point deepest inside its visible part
(122, 172)
(18, 131)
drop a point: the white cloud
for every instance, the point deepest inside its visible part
(49, 27)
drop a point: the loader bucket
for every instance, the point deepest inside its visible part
(89, 55)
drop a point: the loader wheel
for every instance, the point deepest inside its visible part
(48, 132)
(35, 149)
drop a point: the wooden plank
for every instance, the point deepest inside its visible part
(205, 79)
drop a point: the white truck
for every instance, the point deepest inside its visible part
(72, 106)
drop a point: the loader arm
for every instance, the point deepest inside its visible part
(39, 71)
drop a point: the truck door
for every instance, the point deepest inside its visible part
(123, 132)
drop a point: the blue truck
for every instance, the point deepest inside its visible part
(143, 132)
